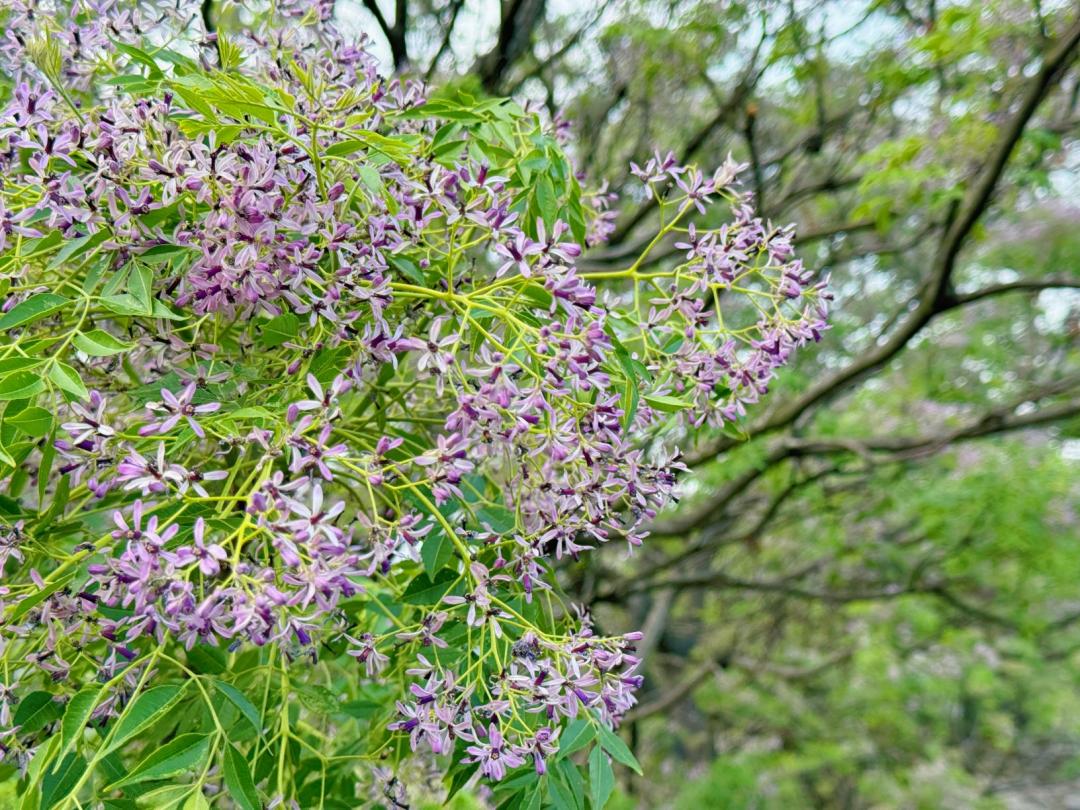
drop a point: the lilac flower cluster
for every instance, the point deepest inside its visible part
(332, 367)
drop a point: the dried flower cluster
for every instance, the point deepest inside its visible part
(298, 365)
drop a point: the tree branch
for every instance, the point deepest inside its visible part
(937, 295)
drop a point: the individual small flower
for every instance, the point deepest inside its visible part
(495, 755)
(312, 521)
(433, 352)
(314, 453)
(323, 399)
(516, 252)
(177, 408)
(365, 652)
(150, 475)
(208, 556)
(544, 744)
(135, 532)
(91, 421)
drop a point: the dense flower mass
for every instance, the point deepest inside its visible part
(298, 364)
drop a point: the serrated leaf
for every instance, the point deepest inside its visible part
(123, 304)
(141, 284)
(546, 201)
(459, 776)
(99, 343)
(162, 310)
(20, 385)
(206, 659)
(371, 178)
(239, 781)
(57, 783)
(499, 518)
(571, 777)
(424, 590)
(240, 701)
(32, 421)
(601, 778)
(577, 734)
(561, 796)
(436, 551)
(147, 709)
(617, 748)
(35, 307)
(68, 379)
(181, 754)
(77, 715)
(36, 711)
(318, 699)
(77, 247)
(159, 254)
(166, 796)
(279, 329)
(666, 403)
(141, 56)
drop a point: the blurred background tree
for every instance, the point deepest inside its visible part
(869, 595)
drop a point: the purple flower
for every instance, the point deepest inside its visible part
(177, 408)
(209, 557)
(495, 756)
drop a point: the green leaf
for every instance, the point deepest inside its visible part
(148, 708)
(76, 716)
(666, 403)
(240, 701)
(230, 54)
(499, 518)
(436, 551)
(141, 56)
(196, 801)
(166, 796)
(238, 780)
(629, 403)
(371, 178)
(617, 748)
(161, 310)
(575, 736)
(395, 148)
(68, 378)
(278, 330)
(159, 254)
(601, 778)
(437, 548)
(56, 784)
(572, 778)
(77, 247)
(546, 201)
(318, 699)
(459, 776)
(21, 385)
(204, 658)
(36, 711)
(424, 590)
(48, 455)
(178, 755)
(124, 304)
(561, 796)
(32, 421)
(141, 284)
(99, 343)
(35, 307)
(252, 412)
